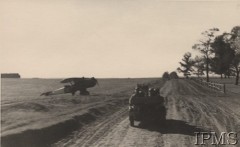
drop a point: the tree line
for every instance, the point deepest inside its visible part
(219, 54)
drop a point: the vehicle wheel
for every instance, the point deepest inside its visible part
(131, 121)
(164, 113)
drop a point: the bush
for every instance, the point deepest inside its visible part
(166, 76)
(173, 75)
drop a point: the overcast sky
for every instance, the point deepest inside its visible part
(104, 38)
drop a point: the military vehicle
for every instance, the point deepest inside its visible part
(146, 105)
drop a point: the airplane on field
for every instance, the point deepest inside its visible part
(75, 84)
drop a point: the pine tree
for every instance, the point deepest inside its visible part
(186, 65)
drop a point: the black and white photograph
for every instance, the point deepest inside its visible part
(120, 73)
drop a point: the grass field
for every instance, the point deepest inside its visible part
(229, 82)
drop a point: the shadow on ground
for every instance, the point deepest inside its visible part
(171, 127)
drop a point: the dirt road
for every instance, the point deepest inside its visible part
(191, 108)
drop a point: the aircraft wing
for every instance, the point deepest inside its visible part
(70, 80)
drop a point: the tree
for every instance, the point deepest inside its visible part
(235, 45)
(235, 39)
(223, 55)
(199, 66)
(165, 76)
(236, 67)
(204, 46)
(186, 65)
(173, 75)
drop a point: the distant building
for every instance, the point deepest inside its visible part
(10, 75)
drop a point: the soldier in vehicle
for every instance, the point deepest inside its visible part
(157, 102)
(157, 95)
(138, 93)
(150, 92)
(157, 91)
